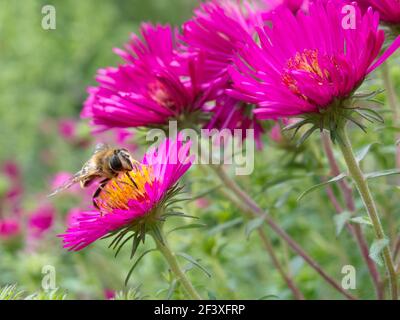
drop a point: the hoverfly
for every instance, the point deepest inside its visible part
(105, 163)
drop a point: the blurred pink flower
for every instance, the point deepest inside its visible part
(389, 10)
(109, 294)
(14, 188)
(40, 221)
(12, 170)
(275, 133)
(202, 203)
(67, 128)
(60, 178)
(9, 227)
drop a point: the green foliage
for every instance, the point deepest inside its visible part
(43, 79)
(10, 293)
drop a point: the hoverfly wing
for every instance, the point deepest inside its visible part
(100, 147)
(67, 184)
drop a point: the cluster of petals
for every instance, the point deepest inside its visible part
(303, 63)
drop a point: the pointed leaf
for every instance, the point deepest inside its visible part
(317, 186)
(362, 220)
(188, 226)
(376, 250)
(211, 296)
(136, 263)
(341, 220)
(194, 261)
(384, 173)
(361, 154)
(171, 289)
(225, 226)
(253, 225)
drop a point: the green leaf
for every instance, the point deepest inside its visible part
(10, 293)
(376, 250)
(268, 297)
(225, 226)
(341, 220)
(253, 225)
(384, 173)
(361, 154)
(317, 186)
(194, 262)
(171, 289)
(211, 296)
(136, 263)
(362, 220)
(306, 135)
(188, 226)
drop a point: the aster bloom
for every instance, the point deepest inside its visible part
(133, 201)
(309, 65)
(217, 30)
(292, 5)
(389, 10)
(9, 227)
(67, 128)
(40, 221)
(156, 84)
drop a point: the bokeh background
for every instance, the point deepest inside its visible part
(43, 80)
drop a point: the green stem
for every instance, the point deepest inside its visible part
(254, 209)
(365, 193)
(163, 247)
(355, 230)
(393, 102)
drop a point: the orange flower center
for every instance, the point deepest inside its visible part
(128, 186)
(306, 62)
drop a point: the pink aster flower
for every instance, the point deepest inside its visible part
(292, 5)
(67, 128)
(217, 30)
(157, 83)
(109, 294)
(138, 196)
(389, 10)
(305, 64)
(40, 221)
(9, 227)
(275, 133)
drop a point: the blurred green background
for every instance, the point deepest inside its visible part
(43, 79)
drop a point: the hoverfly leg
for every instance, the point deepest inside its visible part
(97, 192)
(130, 178)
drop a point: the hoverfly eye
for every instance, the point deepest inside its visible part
(115, 163)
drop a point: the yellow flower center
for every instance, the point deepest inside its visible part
(128, 186)
(160, 95)
(308, 62)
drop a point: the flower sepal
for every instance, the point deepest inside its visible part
(335, 117)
